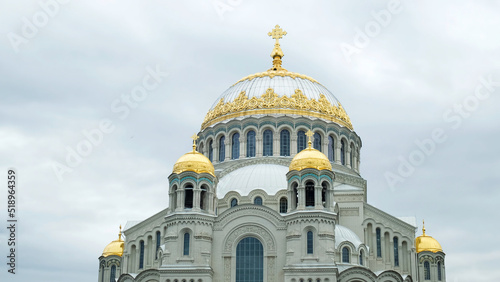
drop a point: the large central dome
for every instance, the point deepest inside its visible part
(277, 91)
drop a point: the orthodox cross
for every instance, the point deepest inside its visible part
(277, 33)
(194, 137)
(309, 134)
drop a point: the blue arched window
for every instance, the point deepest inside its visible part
(249, 260)
(112, 276)
(158, 241)
(257, 201)
(211, 151)
(234, 202)
(141, 255)
(396, 251)
(268, 142)
(427, 271)
(345, 254)
(186, 244)
(379, 244)
(439, 271)
(361, 257)
(310, 242)
(301, 141)
(283, 205)
(235, 146)
(317, 141)
(285, 143)
(222, 149)
(342, 152)
(188, 196)
(331, 148)
(251, 144)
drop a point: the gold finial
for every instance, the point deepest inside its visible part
(423, 227)
(120, 234)
(309, 134)
(194, 137)
(277, 33)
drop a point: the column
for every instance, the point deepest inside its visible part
(243, 147)
(227, 147)
(276, 143)
(258, 146)
(180, 199)
(301, 204)
(317, 197)
(293, 144)
(196, 199)
(337, 153)
(348, 157)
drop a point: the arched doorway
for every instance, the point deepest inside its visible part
(249, 260)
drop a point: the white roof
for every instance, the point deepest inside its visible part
(282, 85)
(268, 177)
(343, 234)
(411, 220)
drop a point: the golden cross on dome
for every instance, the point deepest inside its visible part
(277, 33)
(309, 134)
(194, 137)
(120, 234)
(423, 227)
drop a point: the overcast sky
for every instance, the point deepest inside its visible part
(406, 74)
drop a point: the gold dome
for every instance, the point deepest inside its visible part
(114, 248)
(427, 243)
(310, 158)
(194, 161)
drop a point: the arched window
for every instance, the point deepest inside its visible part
(379, 244)
(186, 244)
(361, 257)
(331, 149)
(310, 243)
(283, 205)
(309, 194)
(317, 141)
(301, 141)
(257, 201)
(235, 146)
(203, 197)
(158, 242)
(345, 254)
(396, 251)
(141, 255)
(268, 143)
(222, 149)
(188, 196)
(251, 144)
(249, 260)
(296, 198)
(112, 275)
(211, 151)
(285, 143)
(342, 152)
(323, 194)
(234, 202)
(427, 271)
(439, 271)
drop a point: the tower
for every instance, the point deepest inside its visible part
(430, 258)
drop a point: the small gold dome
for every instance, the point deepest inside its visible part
(310, 158)
(114, 248)
(194, 161)
(427, 243)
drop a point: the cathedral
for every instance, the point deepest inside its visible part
(272, 191)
